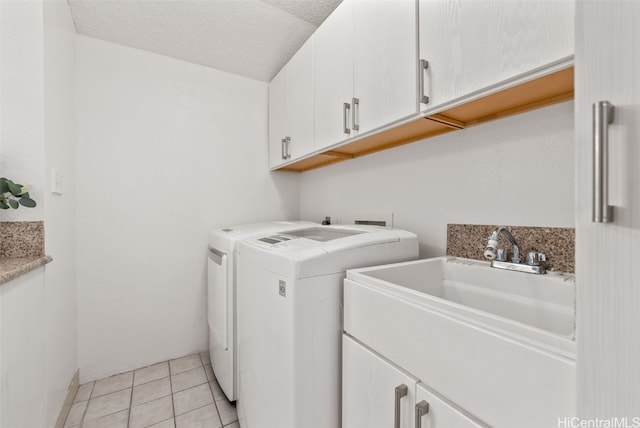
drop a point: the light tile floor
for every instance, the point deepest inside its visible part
(181, 393)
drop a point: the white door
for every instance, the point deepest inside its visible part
(607, 254)
(333, 46)
(471, 45)
(384, 55)
(277, 118)
(300, 101)
(369, 386)
(437, 412)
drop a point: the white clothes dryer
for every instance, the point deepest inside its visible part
(290, 326)
(221, 295)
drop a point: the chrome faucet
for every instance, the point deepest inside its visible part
(491, 252)
(498, 256)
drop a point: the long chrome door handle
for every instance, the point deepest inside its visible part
(422, 408)
(345, 117)
(284, 148)
(602, 117)
(355, 106)
(401, 391)
(424, 65)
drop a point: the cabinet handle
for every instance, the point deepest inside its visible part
(401, 391)
(424, 64)
(422, 408)
(356, 105)
(345, 117)
(284, 148)
(602, 117)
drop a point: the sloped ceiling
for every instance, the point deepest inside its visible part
(252, 38)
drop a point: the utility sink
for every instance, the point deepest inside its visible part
(497, 343)
(539, 308)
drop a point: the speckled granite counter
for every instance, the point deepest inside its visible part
(14, 267)
(21, 248)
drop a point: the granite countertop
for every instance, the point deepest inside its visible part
(21, 248)
(13, 267)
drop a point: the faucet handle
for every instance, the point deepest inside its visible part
(534, 258)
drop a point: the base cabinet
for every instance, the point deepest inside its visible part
(377, 393)
(23, 392)
(434, 411)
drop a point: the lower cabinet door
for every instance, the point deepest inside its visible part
(372, 390)
(436, 412)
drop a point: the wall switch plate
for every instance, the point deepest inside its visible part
(57, 182)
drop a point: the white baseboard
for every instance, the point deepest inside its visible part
(68, 401)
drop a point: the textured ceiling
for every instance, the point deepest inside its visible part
(253, 38)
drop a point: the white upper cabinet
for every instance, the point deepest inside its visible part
(471, 45)
(277, 118)
(300, 101)
(384, 62)
(365, 68)
(334, 76)
(291, 130)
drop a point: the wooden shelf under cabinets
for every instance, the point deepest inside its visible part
(540, 92)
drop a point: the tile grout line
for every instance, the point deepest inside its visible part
(86, 408)
(214, 401)
(133, 381)
(173, 405)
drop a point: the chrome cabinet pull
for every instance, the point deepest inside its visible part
(602, 117)
(424, 64)
(345, 117)
(284, 148)
(422, 408)
(401, 391)
(356, 105)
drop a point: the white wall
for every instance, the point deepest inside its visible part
(59, 210)
(38, 131)
(516, 171)
(22, 86)
(166, 151)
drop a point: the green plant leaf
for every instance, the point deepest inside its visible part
(3, 205)
(13, 203)
(14, 188)
(4, 187)
(27, 202)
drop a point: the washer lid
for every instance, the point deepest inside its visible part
(226, 239)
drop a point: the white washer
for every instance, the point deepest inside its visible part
(221, 295)
(289, 329)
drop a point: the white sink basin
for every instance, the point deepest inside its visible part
(537, 307)
(499, 344)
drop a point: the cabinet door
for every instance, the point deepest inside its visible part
(277, 117)
(24, 393)
(440, 413)
(607, 268)
(368, 389)
(333, 46)
(384, 66)
(471, 45)
(300, 101)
